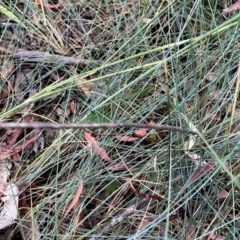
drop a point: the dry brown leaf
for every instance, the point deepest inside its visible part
(15, 133)
(4, 93)
(151, 122)
(75, 199)
(72, 106)
(138, 134)
(141, 132)
(15, 157)
(145, 221)
(9, 150)
(124, 138)
(223, 195)
(4, 148)
(101, 152)
(214, 236)
(4, 155)
(199, 173)
(233, 7)
(6, 70)
(26, 143)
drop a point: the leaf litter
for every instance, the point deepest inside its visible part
(53, 52)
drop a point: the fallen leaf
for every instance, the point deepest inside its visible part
(26, 143)
(39, 144)
(233, 7)
(4, 155)
(8, 151)
(5, 167)
(214, 236)
(84, 85)
(75, 199)
(151, 122)
(15, 157)
(191, 233)
(7, 70)
(72, 106)
(146, 20)
(59, 111)
(5, 91)
(124, 138)
(4, 148)
(9, 211)
(188, 146)
(101, 152)
(198, 173)
(15, 133)
(145, 221)
(223, 195)
(137, 134)
(141, 133)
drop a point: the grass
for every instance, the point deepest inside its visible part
(173, 62)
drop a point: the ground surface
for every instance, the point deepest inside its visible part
(152, 62)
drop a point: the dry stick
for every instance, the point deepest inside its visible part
(36, 56)
(118, 219)
(48, 125)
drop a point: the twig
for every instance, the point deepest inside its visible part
(118, 219)
(48, 125)
(36, 56)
